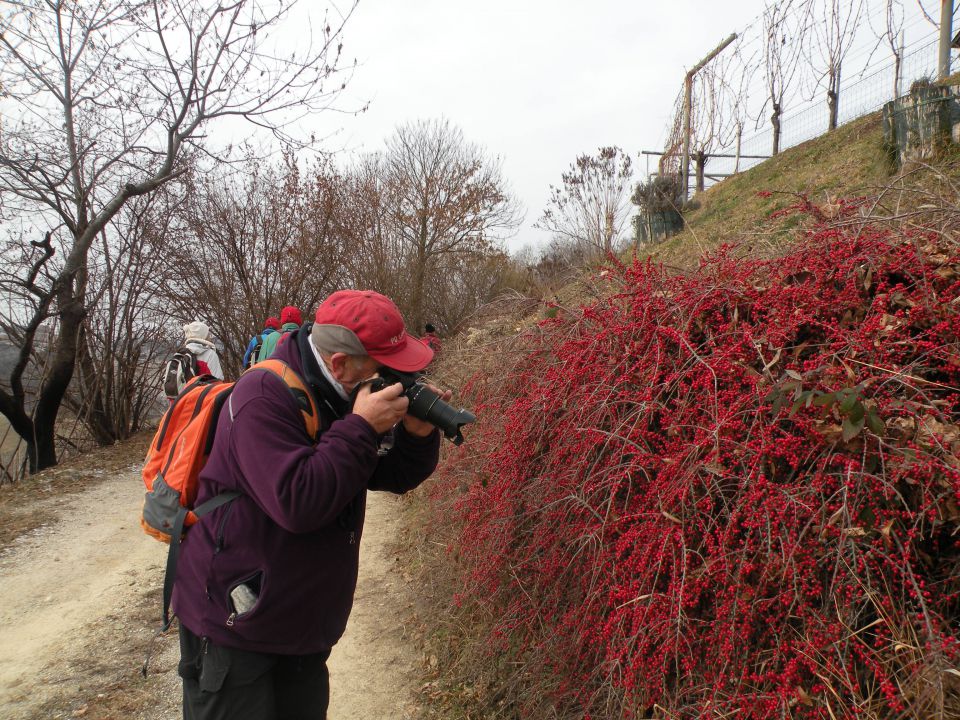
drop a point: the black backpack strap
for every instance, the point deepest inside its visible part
(170, 574)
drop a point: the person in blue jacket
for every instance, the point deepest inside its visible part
(271, 325)
(265, 583)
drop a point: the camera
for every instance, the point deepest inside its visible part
(425, 404)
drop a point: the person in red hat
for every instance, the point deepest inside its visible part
(290, 319)
(270, 326)
(265, 582)
(431, 338)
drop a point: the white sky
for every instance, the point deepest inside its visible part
(535, 82)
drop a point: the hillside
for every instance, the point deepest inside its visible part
(849, 161)
(723, 485)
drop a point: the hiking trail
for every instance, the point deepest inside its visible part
(80, 599)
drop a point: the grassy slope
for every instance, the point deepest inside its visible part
(848, 161)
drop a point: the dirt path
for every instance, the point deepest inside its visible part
(79, 598)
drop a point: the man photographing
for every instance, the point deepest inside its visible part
(265, 582)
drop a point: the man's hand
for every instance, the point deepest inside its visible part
(382, 409)
(421, 428)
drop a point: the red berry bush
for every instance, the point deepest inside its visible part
(731, 493)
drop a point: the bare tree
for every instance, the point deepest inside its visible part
(591, 208)
(257, 237)
(784, 28)
(442, 196)
(891, 35)
(931, 20)
(104, 102)
(833, 27)
(124, 338)
(463, 283)
(735, 71)
(377, 256)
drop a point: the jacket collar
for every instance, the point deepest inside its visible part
(311, 373)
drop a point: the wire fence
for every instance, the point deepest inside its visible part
(788, 46)
(857, 98)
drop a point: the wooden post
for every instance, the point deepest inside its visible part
(685, 159)
(946, 36)
(687, 110)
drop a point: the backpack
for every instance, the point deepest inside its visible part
(258, 343)
(270, 343)
(179, 370)
(180, 449)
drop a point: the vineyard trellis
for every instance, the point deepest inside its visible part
(766, 92)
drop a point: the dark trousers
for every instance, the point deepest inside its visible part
(227, 684)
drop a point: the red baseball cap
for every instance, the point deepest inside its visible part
(291, 314)
(376, 327)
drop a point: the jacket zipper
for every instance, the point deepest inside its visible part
(222, 528)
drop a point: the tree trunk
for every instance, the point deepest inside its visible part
(419, 279)
(608, 233)
(41, 453)
(736, 165)
(833, 99)
(896, 76)
(775, 121)
(701, 159)
(63, 355)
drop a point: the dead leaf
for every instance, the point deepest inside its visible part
(932, 430)
(902, 426)
(776, 358)
(830, 431)
(947, 272)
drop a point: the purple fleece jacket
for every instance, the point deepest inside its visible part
(293, 535)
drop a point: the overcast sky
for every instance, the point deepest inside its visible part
(536, 82)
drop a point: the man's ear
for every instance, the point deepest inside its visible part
(338, 363)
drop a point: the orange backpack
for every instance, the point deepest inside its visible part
(180, 449)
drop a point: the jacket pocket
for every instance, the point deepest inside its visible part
(243, 597)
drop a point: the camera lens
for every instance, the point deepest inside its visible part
(427, 405)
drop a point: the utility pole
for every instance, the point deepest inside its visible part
(688, 109)
(946, 36)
